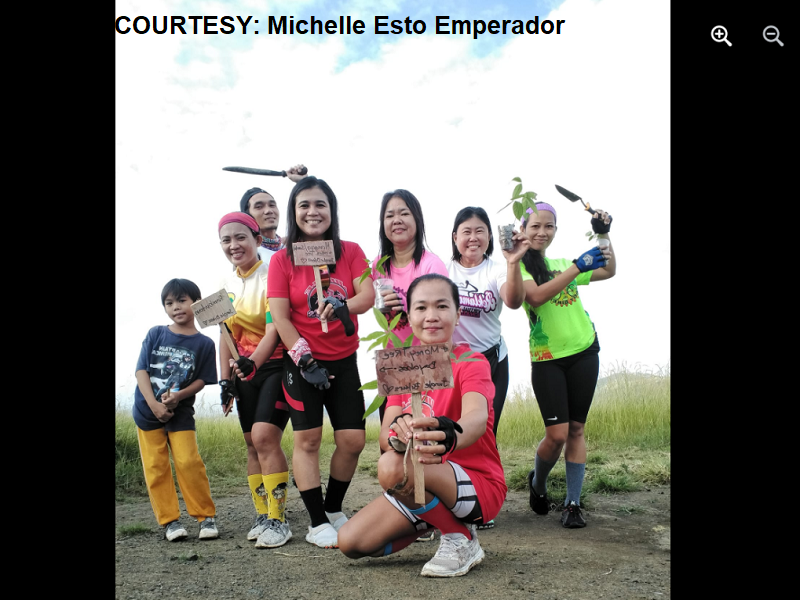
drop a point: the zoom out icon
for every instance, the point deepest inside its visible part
(771, 34)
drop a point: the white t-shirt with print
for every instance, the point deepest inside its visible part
(479, 295)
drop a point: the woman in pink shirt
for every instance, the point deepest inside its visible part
(402, 238)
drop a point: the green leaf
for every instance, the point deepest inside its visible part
(373, 336)
(518, 210)
(380, 318)
(376, 403)
(380, 342)
(396, 320)
(517, 190)
(396, 341)
(517, 179)
(379, 265)
(530, 195)
(453, 356)
(408, 341)
(370, 385)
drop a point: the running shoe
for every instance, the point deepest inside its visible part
(487, 525)
(258, 528)
(456, 555)
(277, 533)
(324, 536)
(427, 537)
(208, 529)
(539, 503)
(572, 518)
(174, 531)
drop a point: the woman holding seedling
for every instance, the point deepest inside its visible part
(320, 368)
(402, 239)
(464, 481)
(564, 352)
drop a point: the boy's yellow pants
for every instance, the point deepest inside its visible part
(190, 470)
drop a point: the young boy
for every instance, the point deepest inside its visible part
(175, 363)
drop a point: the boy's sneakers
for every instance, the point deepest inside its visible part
(174, 531)
(324, 536)
(539, 504)
(427, 537)
(276, 533)
(487, 525)
(337, 519)
(208, 529)
(456, 555)
(258, 528)
(572, 517)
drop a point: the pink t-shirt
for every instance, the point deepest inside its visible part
(402, 278)
(298, 285)
(480, 460)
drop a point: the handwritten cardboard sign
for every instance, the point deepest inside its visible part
(213, 309)
(415, 369)
(313, 253)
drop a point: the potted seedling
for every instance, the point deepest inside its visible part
(520, 203)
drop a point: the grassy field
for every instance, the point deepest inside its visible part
(627, 435)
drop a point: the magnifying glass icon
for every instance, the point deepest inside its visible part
(771, 34)
(720, 34)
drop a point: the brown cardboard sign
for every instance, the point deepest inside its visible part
(313, 253)
(414, 369)
(213, 309)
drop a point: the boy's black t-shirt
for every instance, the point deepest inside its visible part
(173, 359)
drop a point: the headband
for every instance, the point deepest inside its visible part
(244, 202)
(240, 217)
(544, 206)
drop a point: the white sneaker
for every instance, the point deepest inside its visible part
(324, 536)
(456, 555)
(427, 537)
(276, 534)
(208, 529)
(258, 528)
(175, 531)
(337, 519)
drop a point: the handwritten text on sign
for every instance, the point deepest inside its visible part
(313, 253)
(414, 369)
(213, 309)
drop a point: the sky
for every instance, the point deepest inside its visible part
(451, 118)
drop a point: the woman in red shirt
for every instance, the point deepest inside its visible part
(320, 369)
(464, 481)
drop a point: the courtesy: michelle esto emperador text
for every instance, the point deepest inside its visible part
(343, 25)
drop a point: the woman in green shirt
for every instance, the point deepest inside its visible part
(564, 352)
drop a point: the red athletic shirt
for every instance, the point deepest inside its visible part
(298, 285)
(481, 460)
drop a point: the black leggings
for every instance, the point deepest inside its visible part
(564, 387)
(500, 381)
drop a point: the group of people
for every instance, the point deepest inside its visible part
(288, 369)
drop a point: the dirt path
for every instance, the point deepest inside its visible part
(624, 552)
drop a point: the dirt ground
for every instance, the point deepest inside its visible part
(623, 552)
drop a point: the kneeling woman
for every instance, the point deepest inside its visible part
(464, 481)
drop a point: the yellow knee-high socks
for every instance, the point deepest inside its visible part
(277, 486)
(258, 492)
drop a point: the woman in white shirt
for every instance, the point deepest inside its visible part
(484, 285)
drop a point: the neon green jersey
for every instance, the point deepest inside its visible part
(560, 327)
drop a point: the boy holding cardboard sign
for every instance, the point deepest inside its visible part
(183, 358)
